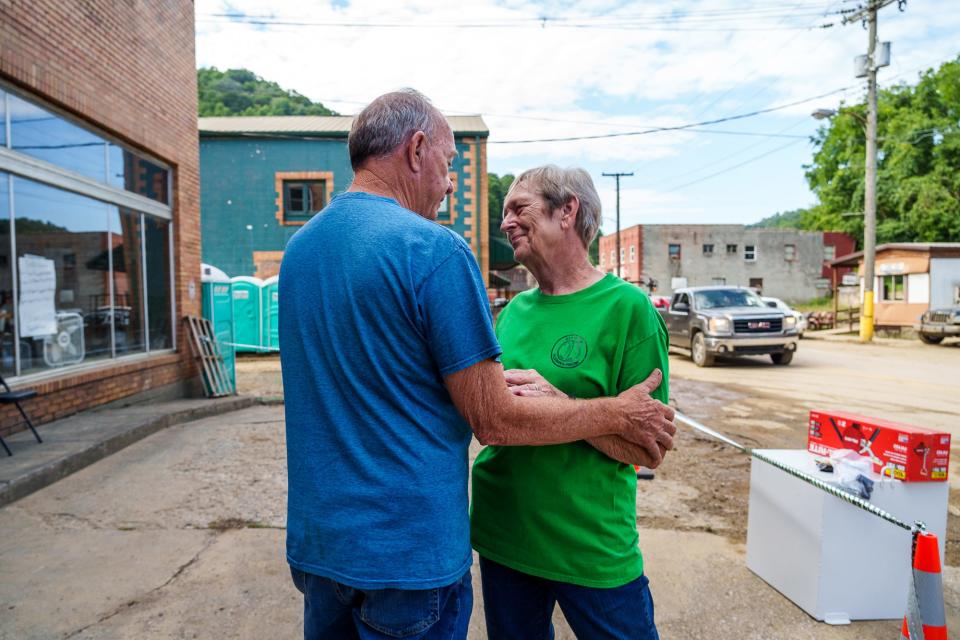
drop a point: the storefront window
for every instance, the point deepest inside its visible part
(134, 173)
(127, 278)
(7, 335)
(3, 118)
(46, 136)
(157, 243)
(82, 279)
(63, 267)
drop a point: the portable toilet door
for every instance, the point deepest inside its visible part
(247, 318)
(216, 296)
(271, 308)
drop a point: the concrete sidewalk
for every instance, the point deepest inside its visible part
(80, 440)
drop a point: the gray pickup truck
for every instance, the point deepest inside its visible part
(728, 321)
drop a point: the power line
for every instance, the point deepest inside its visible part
(750, 19)
(804, 120)
(673, 128)
(729, 169)
(782, 45)
(408, 25)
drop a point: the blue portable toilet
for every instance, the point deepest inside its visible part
(247, 315)
(216, 302)
(271, 326)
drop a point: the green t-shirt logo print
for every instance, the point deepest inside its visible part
(569, 351)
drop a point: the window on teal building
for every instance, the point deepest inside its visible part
(303, 198)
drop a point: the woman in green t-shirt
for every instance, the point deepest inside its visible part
(557, 524)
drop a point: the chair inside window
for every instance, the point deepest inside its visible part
(8, 396)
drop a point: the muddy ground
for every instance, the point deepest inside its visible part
(704, 485)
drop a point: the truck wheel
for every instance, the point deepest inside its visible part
(931, 339)
(698, 351)
(782, 358)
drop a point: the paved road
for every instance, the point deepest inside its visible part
(180, 535)
(899, 380)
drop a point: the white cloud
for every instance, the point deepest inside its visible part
(612, 76)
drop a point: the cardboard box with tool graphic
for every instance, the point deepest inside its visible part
(909, 453)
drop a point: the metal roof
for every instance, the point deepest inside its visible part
(934, 247)
(313, 125)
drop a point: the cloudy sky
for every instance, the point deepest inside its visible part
(561, 69)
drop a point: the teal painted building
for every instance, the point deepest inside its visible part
(261, 178)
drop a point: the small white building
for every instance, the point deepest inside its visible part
(909, 279)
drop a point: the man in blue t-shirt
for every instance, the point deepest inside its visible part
(390, 364)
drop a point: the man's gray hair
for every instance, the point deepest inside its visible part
(388, 122)
(558, 185)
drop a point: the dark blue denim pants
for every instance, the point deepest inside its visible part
(519, 606)
(335, 611)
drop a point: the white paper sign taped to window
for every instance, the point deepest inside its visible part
(38, 288)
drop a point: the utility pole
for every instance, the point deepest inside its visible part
(868, 14)
(617, 176)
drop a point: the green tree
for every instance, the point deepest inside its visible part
(239, 92)
(781, 220)
(501, 253)
(918, 167)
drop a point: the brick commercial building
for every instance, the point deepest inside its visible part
(99, 195)
(785, 263)
(264, 177)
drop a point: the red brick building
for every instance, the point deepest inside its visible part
(631, 253)
(99, 191)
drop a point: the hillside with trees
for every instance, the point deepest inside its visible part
(781, 220)
(239, 92)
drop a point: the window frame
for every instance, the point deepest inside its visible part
(670, 252)
(15, 164)
(893, 280)
(788, 255)
(750, 255)
(281, 180)
(38, 170)
(708, 249)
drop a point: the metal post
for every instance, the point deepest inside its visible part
(619, 257)
(870, 189)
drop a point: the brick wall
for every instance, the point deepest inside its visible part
(631, 269)
(129, 69)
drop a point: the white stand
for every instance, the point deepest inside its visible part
(835, 561)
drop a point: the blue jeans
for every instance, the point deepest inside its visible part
(519, 606)
(338, 612)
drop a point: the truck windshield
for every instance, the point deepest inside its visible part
(719, 298)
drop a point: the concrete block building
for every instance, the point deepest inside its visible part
(786, 263)
(99, 191)
(264, 177)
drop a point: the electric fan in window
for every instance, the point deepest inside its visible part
(66, 345)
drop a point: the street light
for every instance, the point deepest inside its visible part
(869, 208)
(823, 114)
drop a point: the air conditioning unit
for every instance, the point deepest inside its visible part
(66, 345)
